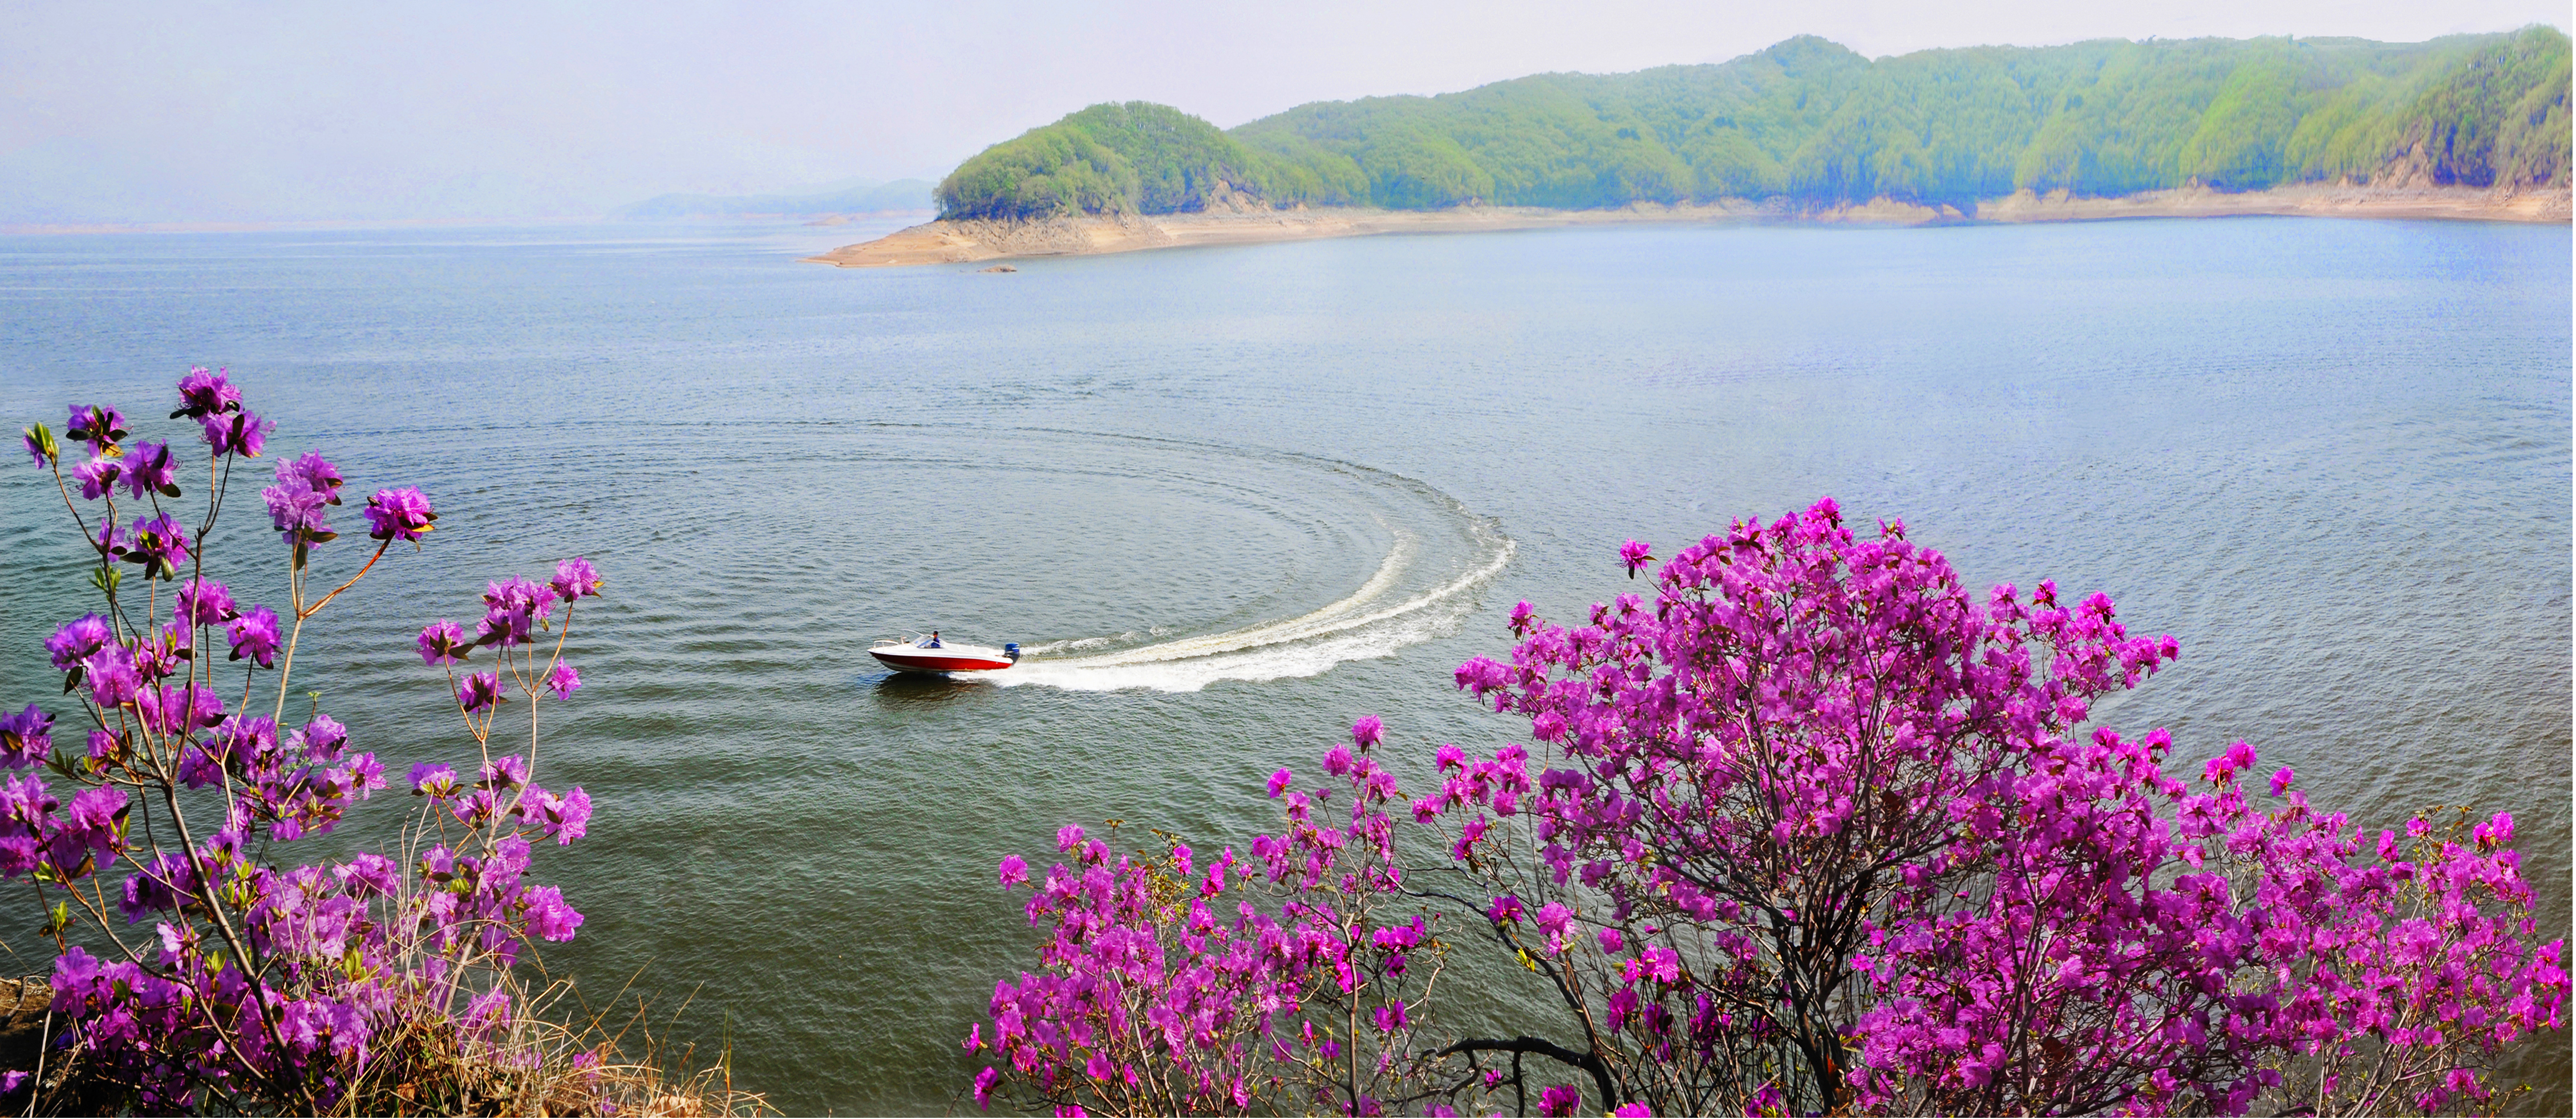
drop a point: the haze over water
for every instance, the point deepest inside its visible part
(1235, 498)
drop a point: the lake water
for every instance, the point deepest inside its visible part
(1234, 498)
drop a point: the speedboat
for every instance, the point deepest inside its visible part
(910, 655)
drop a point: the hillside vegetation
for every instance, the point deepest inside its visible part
(1819, 125)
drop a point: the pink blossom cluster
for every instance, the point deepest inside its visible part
(1286, 978)
(260, 984)
(2154, 947)
(1742, 770)
(1812, 808)
(1811, 829)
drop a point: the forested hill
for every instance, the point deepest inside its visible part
(1814, 123)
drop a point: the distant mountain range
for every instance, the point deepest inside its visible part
(856, 197)
(1819, 125)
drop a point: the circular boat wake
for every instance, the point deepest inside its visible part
(1390, 611)
(1116, 561)
(1416, 555)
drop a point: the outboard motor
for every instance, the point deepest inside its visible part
(1011, 649)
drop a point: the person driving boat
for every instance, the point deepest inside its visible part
(930, 642)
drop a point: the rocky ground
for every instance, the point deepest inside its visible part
(1239, 219)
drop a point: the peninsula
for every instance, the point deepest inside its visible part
(2471, 126)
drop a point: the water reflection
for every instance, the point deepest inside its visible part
(913, 691)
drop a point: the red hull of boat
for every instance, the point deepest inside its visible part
(907, 662)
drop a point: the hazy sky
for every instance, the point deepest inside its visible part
(115, 111)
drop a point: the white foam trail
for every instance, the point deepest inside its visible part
(1079, 644)
(1355, 628)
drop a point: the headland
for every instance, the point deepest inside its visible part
(983, 239)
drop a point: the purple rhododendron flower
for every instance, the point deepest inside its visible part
(1480, 675)
(158, 656)
(149, 470)
(180, 709)
(160, 545)
(511, 609)
(1663, 965)
(1368, 731)
(1279, 783)
(97, 477)
(297, 505)
(1636, 554)
(1559, 1100)
(36, 449)
(2282, 780)
(111, 539)
(367, 774)
(432, 780)
(984, 1082)
(401, 514)
(2496, 832)
(203, 394)
(443, 642)
(241, 433)
(100, 425)
(574, 579)
(568, 817)
(25, 738)
(1014, 870)
(77, 639)
(92, 819)
(1633, 1110)
(480, 691)
(314, 472)
(112, 679)
(203, 602)
(367, 874)
(563, 680)
(477, 807)
(508, 771)
(548, 916)
(249, 737)
(254, 635)
(564, 818)
(75, 970)
(199, 769)
(323, 738)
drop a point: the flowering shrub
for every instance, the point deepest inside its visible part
(1814, 831)
(1291, 979)
(2231, 957)
(254, 984)
(1821, 833)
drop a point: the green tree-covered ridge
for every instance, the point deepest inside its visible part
(1817, 124)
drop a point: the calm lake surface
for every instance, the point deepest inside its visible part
(1234, 498)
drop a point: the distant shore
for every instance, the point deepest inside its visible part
(969, 241)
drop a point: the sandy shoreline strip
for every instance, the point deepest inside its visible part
(961, 242)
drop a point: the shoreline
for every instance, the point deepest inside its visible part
(982, 239)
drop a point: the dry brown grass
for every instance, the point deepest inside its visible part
(557, 1056)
